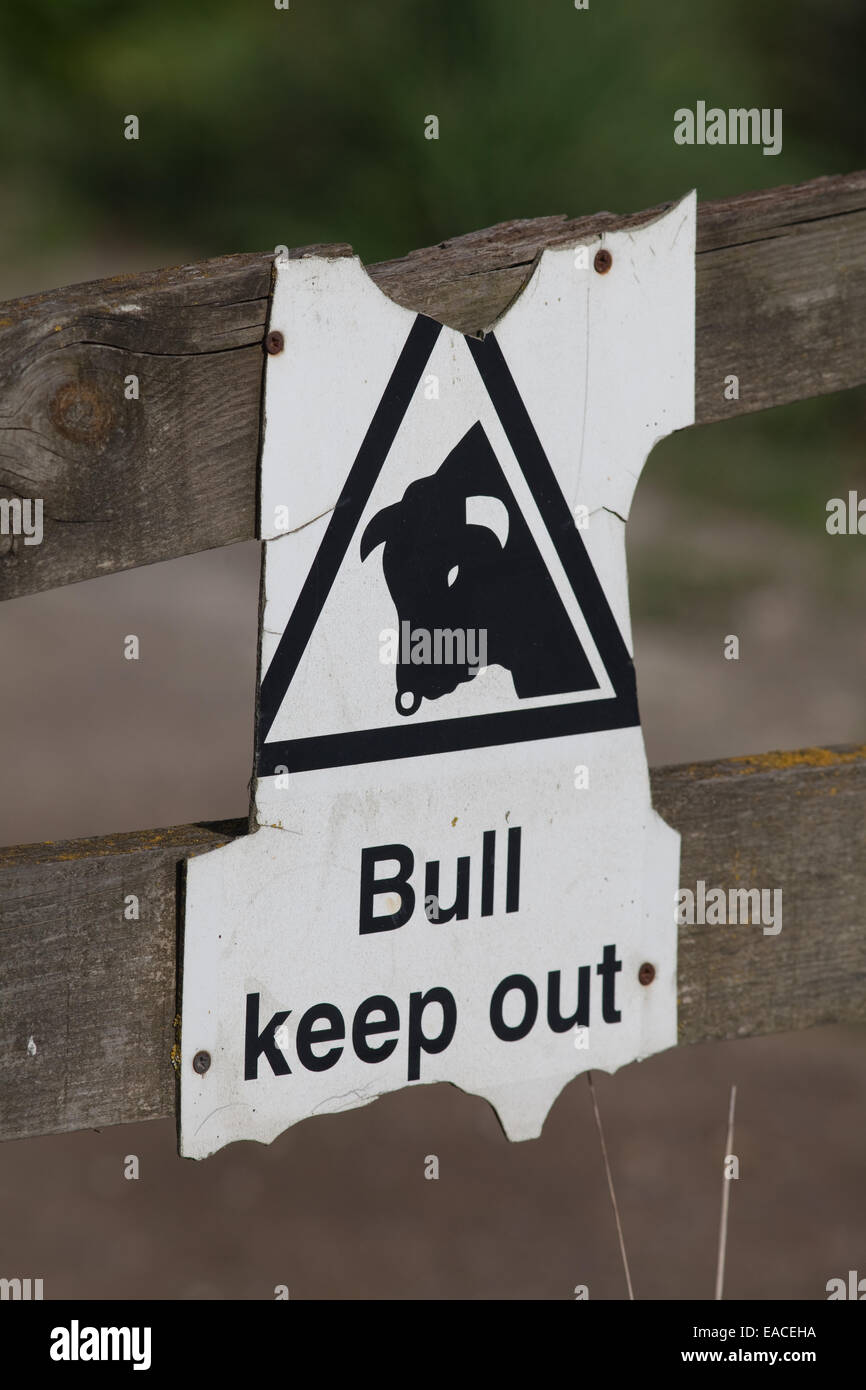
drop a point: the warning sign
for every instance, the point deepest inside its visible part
(455, 873)
(470, 588)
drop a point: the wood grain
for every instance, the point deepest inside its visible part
(96, 993)
(781, 302)
(88, 998)
(793, 821)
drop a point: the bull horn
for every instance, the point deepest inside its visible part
(490, 512)
(379, 530)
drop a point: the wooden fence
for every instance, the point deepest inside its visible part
(88, 1004)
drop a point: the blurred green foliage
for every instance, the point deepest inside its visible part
(262, 126)
(781, 465)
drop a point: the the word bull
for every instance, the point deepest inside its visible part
(399, 884)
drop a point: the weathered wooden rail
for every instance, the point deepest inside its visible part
(88, 998)
(781, 301)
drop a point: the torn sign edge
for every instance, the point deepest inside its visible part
(679, 215)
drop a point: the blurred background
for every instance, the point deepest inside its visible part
(261, 127)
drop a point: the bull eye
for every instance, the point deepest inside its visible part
(452, 574)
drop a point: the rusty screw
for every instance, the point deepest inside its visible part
(201, 1062)
(274, 342)
(603, 261)
(647, 973)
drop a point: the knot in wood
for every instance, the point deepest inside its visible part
(81, 412)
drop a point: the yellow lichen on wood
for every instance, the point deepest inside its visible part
(174, 1055)
(799, 757)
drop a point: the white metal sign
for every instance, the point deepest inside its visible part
(456, 874)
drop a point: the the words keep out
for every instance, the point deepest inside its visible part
(376, 1026)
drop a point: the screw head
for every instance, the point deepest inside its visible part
(603, 261)
(274, 342)
(647, 973)
(201, 1062)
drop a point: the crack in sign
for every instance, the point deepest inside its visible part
(293, 530)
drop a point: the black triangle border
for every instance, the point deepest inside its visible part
(619, 711)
